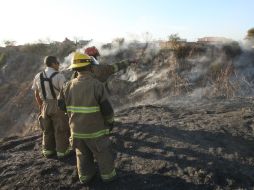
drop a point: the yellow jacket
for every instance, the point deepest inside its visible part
(87, 106)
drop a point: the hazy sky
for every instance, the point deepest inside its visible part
(30, 20)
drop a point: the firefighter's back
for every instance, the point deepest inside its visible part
(83, 96)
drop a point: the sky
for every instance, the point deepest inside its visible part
(30, 21)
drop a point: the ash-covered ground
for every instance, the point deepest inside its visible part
(185, 144)
(185, 120)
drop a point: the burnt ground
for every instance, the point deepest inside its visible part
(203, 144)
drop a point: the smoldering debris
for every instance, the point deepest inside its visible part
(208, 71)
(197, 70)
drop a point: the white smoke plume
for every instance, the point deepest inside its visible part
(161, 74)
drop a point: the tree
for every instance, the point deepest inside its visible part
(174, 37)
(174, 40)
(9, 43)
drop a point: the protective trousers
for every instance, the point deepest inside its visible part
(89, 149)
(55, 127)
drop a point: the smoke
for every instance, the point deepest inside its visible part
(130, 75)
(199, 68)
(67, 60)
(248, 44)
(66, 63)
(120, 49)
(207, 70)
(225, 70)
(127, 49)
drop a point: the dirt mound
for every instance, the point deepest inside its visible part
(185, 144)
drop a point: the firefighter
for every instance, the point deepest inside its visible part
(103, 72)
(91, 118)
(52, 120)
(93, 52)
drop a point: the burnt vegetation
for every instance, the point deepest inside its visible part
(185, 115)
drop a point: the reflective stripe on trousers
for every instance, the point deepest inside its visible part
(62, 154)
(90, 135)
(82, 109)
(105, 177)
(109, 176)
(84, 178)
(47, 152)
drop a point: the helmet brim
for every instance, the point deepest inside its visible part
(78, 65)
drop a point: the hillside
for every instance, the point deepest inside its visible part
(186, 118)
(194, 70)
(18, 66)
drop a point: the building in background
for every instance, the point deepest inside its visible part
(214, 40)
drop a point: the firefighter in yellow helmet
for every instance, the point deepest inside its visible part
(90, 117)
(103, 72)
(53, 121)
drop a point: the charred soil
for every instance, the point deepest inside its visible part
(203, 144)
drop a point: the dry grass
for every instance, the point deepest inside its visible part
(222, 85)
(180, 85)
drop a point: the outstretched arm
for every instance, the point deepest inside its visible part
(103, 72)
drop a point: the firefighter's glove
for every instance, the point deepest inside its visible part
(110, 123)
(121, 65)
(61, 105)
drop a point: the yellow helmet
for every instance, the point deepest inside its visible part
(80, 60)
